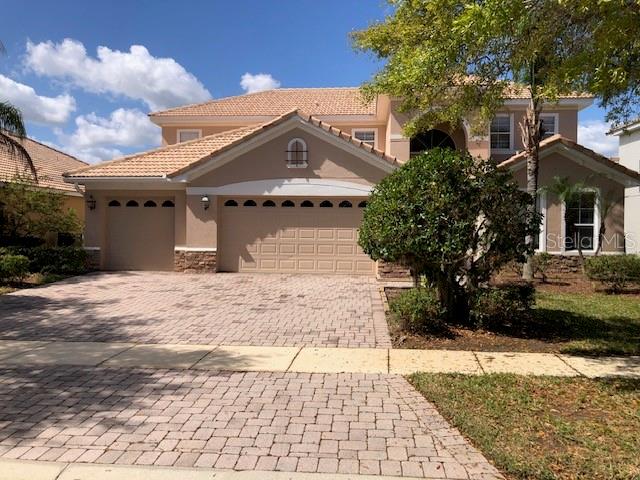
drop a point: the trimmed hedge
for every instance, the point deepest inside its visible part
(13, 267)
(418, 309)
(43, 259)
(614, 271)
(503, 305)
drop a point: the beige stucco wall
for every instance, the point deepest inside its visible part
(77, 204)
(558, 165)
(268, 161)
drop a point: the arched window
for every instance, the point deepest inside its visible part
(132, 203)
(150, 203)
(114, 203)
(430, 139)
(345, 204)
(362, 204)
(307, 204)
(230, 203)
(288, 203)
(268, 203)
(297, 153)
(326, 204)
(249, 203)
(168, 204)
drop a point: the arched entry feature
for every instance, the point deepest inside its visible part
(430, 139)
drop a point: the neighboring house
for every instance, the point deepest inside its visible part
(629, 156)
(49, 164)
(276, 181)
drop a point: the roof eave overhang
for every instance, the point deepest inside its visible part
(295, 121)
(127, 183)
(581, 159)
(624, 129)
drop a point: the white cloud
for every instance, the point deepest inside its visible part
(258, 83)
(592, 134)
(159, 82)
(36, 108)
(98, 138)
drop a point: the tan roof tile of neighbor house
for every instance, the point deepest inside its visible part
(175, 159)
(50, 165)
(314, 101)
(560, 140)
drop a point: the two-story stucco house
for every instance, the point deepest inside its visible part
(276, 182)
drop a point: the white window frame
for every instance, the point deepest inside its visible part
(305, 157)
(556, 119)
(187, 130)
(511, 134)
(596, 224)
(375, 135)
(542, 238)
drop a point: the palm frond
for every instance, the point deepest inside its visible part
(12, 131)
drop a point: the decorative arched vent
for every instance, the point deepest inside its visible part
(150, 203)
(132, 203)
(288, 203)
(297, 153)
(268, 203)
(326, 204)
(114, 203)
(230, 203)
(345, 204)
(168, 204)
(307, 204)
(362, 204)
(249, 203)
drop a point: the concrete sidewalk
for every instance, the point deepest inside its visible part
(309, 360)
(37, 470)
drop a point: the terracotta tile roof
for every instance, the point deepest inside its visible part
(314, 101)
(176, 159)
(516, 91)
(560, 140)
(50, 165)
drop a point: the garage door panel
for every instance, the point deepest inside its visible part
(139, 237)
(294, 239)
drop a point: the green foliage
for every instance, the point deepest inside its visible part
(503, 305)
(615, 271)
(28, 211)
(451, 218)
(418, 309)
(541, 264)
(551, 47)
(13, 267)
(58, 260)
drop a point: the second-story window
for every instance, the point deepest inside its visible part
(501, 133)
(186, 135)
(297, 153)
(549, 125)
(365, 136)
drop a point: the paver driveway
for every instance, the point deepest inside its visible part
(347, 423)
(223, 309)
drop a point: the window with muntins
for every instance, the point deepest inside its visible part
(501, 133)
(580, 222)
(186, 135)
(366, 136)
(548, 124)
(297, 153)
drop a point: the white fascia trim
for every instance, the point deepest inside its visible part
(290, 187)
(570, 103)
(274, 132)
(130, 184)
(92, 248)
(585, 161)
(180, 248)
(624, 130)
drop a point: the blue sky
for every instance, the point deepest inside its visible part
(71, 68)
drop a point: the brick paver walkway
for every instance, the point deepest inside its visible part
(223, 309)
(348, 423)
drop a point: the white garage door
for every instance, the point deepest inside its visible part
(140, 233)
(312, 235)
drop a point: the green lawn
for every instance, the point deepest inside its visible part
(593, 324)
(542, 427)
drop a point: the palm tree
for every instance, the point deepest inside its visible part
(12, 131)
